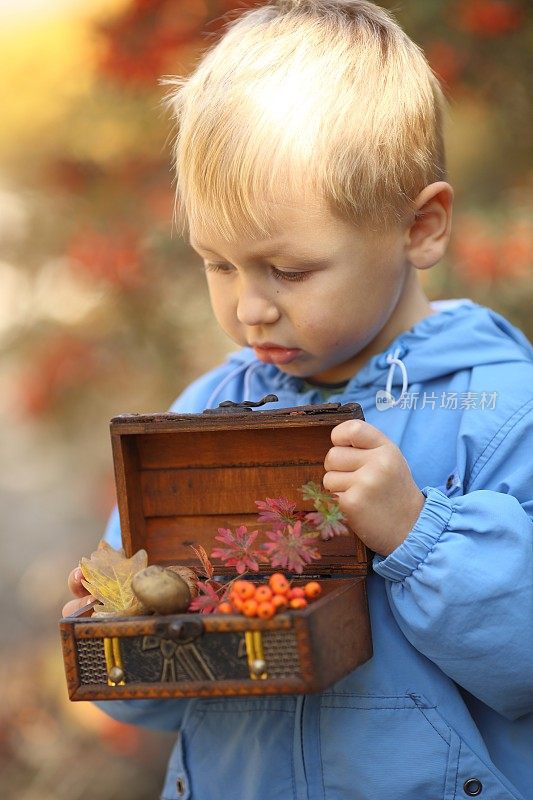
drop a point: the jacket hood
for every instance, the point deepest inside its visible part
(459, 335)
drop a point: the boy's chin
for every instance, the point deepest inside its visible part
(332, 374)
(308, 373)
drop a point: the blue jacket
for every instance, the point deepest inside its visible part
(446, 703)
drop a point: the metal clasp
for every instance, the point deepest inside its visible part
(113, 662)
(255, 655)
(229, 406)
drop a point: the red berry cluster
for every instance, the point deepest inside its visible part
(264, 600)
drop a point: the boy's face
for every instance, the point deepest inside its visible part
(329, 295)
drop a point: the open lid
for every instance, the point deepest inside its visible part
(180, 477)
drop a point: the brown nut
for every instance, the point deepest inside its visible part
(189, 575)
(161, 590)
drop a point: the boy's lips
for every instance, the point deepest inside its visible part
(274, 354)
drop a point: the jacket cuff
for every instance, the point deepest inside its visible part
(429, 527)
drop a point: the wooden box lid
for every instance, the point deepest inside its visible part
(180, 477)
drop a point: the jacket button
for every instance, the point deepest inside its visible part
(472, 787)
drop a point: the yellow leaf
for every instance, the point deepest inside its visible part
(107, 576)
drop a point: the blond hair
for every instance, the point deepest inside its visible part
(324, 98)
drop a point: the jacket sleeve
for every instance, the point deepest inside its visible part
(461, 584)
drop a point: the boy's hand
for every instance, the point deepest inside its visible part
(76, 587)
(374, 485)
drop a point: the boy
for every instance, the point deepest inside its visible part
(310, 172)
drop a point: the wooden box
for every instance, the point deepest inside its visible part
(179, 477)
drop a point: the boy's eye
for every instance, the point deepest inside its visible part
(280, 274)
(289, 276)
(209, 267)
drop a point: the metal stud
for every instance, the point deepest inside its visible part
(472, 787)
(115, 675)
(258, 666)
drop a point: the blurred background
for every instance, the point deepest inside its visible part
(103, 309)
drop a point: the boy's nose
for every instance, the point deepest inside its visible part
(255, 308)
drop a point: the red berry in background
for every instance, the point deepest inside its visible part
(249, 607)
(446, 61)
(61, 365)
(237, 603)
(263, 593)
(475, 249)
(243, 589)
(112, 257)
(279, 583)
(295, 592)
(517, 248)
(312, 589)
(489, 18)
(266, 609)
(279, 601)
(298, 602)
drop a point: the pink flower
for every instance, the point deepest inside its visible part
(329, 522)
(239, 553)
(291, 549)
(279, 512)
(206, 600)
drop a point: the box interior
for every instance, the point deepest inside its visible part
(178, 486)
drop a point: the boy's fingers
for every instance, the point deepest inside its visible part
(75, 585)
(337, 481)
(74, 605)
(356, 433)
(344, 459)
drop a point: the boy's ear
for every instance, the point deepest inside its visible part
(429, 233)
